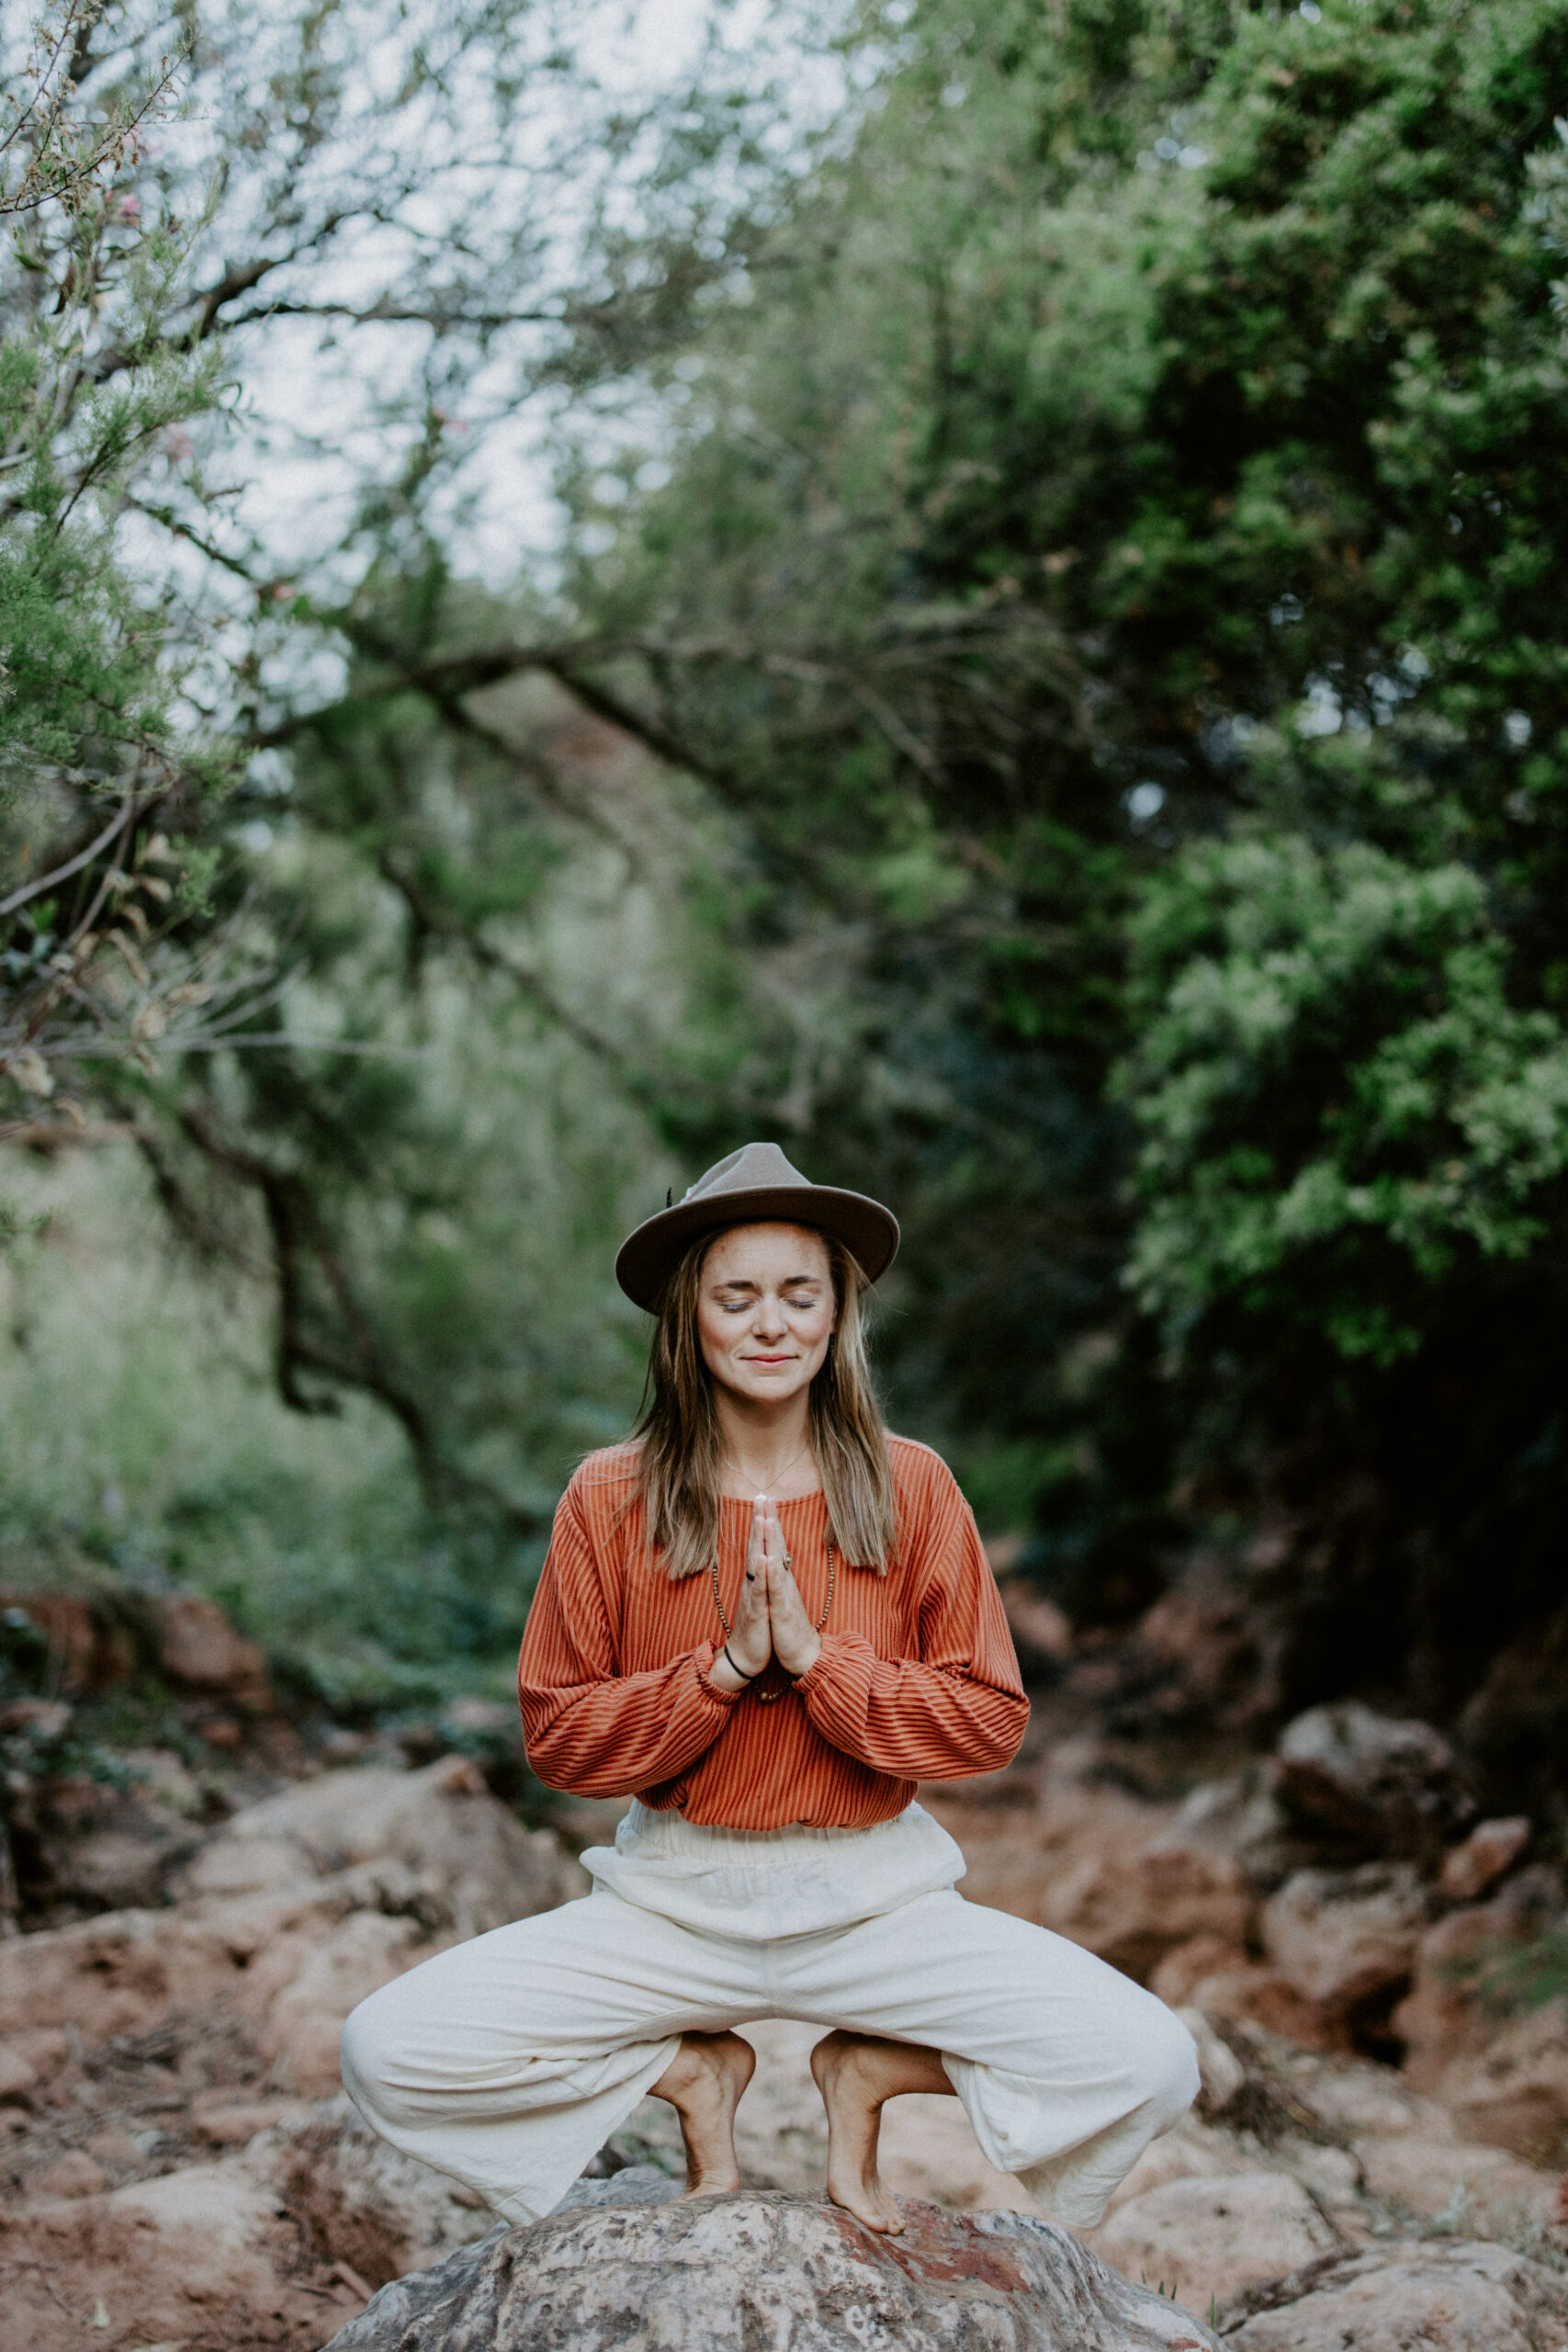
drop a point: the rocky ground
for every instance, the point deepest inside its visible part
(1384, 2119)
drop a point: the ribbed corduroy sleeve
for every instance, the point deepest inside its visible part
(588, 1727)
(956, 1708)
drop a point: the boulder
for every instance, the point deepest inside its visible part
(354, 2199)
(463, 1856)
(1203, 1650)
(203, 2256)
(1492, 1848)
(1203, 2239)
(1349, 2101)
(293, 1912)
(765, 2268)
(1221, 2074)
(1514, 2094)
(1453, 2296)
(198, 1647)
(1126, 1879)
(1483, 2191)
(1176, 1977)
(1365, 1784)
(1256, 1993)
(1347, 1939)
(1445, 2016)
(1191, 2151)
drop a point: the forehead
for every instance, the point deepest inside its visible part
(765, 1256)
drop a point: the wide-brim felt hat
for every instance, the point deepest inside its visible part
(753, 1186)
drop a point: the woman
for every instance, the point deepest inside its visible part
(770, 1619)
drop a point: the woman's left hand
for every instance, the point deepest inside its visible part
(797, 1642)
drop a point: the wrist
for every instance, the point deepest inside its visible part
(724, 1678)
(806, 1657)
(724, 1675)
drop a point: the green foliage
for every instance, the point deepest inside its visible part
(1531, 1976)
(1082, 553)
(1134, 493)
(94, 381)
(1312, 1148)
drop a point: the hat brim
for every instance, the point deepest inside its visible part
(648, 1258)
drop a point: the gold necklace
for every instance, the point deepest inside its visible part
(741, 1471)
(770, 1698)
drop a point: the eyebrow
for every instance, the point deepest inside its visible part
(789, 1282)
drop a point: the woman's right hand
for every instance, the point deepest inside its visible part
(750, 1643)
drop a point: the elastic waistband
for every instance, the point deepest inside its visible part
(760, 1884)
(656, 1835)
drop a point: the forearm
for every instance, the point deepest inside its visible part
(623, 1732)
(911, 1718)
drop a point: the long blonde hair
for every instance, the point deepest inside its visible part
(678, 1461)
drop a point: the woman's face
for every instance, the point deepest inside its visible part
(766, 1310)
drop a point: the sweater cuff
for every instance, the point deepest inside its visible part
(703, 1661)
(835, 1653)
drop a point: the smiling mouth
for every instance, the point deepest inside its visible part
(770, 1359)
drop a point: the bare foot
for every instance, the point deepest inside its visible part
(857, 2074)
(702, 2083)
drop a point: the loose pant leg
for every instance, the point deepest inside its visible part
(508, 2062)
(1065, 2068)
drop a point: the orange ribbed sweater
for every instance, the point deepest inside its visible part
(917, 1679)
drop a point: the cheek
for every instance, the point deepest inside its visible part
(712, 1332)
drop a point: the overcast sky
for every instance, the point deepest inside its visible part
(312, 409)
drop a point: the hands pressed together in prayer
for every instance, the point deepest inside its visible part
(771, 1620)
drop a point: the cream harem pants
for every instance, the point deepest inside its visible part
(508, 2062)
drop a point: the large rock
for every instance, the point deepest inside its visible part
(1224, 1982)
(204, 2256)
(295, 1912)
(1514, 2094)
(356, 2199)
(468, 1861)
(1492, 1848)
(100, 1847)
(1126, 1879)
(197, 1646)
(768, 2270)
(1416, 2296)
(1345, 1941)
(1203, 2239)
(1483, 2191)
(1369, 1785)
(98, 1640)
(1445, 2016)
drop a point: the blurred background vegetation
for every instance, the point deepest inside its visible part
(1045, 692)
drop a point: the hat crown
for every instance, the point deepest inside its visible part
(756, 1185)
(746, 1171)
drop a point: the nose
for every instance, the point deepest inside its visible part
(770, 1323)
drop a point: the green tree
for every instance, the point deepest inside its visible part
(93, 761)
(1118, 553)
